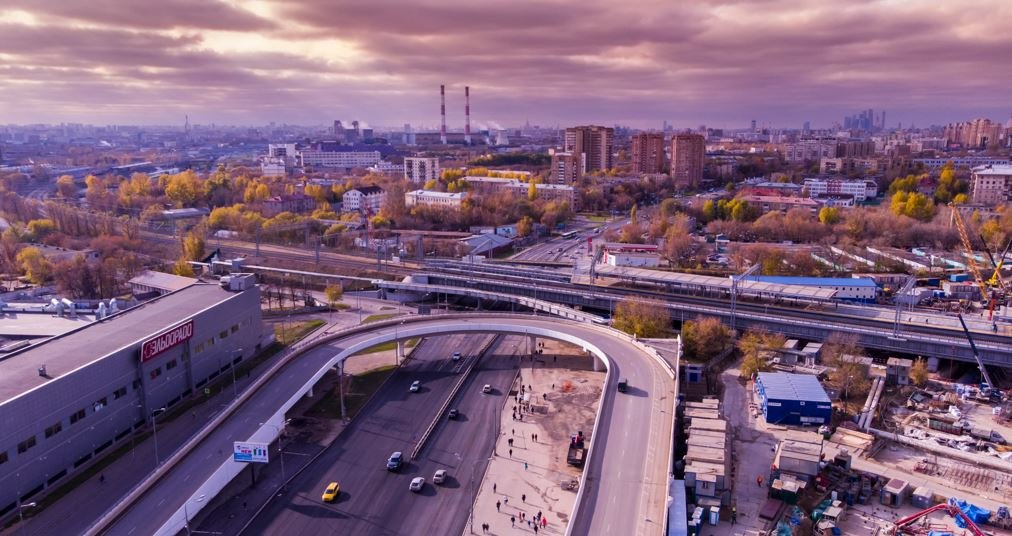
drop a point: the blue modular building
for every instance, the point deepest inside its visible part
(796, 399)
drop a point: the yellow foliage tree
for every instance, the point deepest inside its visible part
(36, 267)
(184, 189)
(642, 318)
(182, 268)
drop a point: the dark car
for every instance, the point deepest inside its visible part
(623, 385)
(453, 414)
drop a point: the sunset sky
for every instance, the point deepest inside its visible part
(720, 63)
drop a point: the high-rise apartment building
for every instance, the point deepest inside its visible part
(595, 143)
(687, 154)
(648, 152)
(976, 134)
(567, 167)
(421, 169)
(991, 185)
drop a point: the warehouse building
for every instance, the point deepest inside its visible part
(852, 289)
(66, 400)
(796, 399)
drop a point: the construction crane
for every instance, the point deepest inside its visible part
(987, 388)
(971, 259)
(996, 280)
(950, 509)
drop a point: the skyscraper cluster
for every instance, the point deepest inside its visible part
(866, 120)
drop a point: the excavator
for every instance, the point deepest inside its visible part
(903, 526)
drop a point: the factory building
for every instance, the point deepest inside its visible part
(796, 399)
(70, 398)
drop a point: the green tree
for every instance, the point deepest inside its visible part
(829, 215)
(645, 319)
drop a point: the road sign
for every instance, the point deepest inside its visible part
(249, 452)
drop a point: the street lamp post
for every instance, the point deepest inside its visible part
(154, 433)
(281, 452)
(235, 388)
(186, 513)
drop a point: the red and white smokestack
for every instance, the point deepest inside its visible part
(442, 113)
(467, 115)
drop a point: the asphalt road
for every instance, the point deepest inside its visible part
(626, 485)
(374, 501)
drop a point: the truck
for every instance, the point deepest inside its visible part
(987, 435)
(577, 453)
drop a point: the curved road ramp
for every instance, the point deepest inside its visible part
(624, 484)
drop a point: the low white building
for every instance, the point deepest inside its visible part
(364, 198)
(339, 159)
(386, 168)
(638, 260)
(273, 167)
(420, 169)
(861, 189)
(434, 199)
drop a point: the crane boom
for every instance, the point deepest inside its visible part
(976, 355)
(950, 509)
(971, 260)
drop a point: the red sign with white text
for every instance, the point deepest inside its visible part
(161, 343)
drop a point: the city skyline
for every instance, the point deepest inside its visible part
(305, 61)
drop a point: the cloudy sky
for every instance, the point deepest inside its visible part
(638, 62)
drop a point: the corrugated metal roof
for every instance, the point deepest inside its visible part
(786, 386)
(815, 281)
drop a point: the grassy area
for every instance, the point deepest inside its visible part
(340, 306)
(387, 346)
(595, 218)
(387, 308)
(360, 388)
(378, 317)
(294, 331)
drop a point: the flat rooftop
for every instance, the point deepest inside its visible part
(19, 371)
(746, 286)
(22, 325)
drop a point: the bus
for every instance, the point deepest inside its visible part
(568, 234)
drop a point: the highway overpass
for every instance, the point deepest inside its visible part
(624, 486)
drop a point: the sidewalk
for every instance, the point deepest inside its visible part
(77, 509)
(530, 479)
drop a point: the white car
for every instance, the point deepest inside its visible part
(415, 386)
(487, 389)
(417, 484)
(456, 356)
(439, 477)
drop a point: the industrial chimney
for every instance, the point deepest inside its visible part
(442, 113)
(467, 115)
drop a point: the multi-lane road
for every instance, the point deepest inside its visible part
(374, 501)
(625, 485)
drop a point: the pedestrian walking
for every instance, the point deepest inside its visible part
(497, 505)
(535, 528)
(505, 500)
(513, 431)
(101, 479)
(511, 453)
(513, 521)
(525, 466)
(523, 497)
(539, 515)
(493, 487)
(544, 396)
(544, 522)
(521, 416)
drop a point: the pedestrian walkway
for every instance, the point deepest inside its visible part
(528, 474)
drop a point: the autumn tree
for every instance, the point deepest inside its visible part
(65, 187)
(914, 205)
(704, 338)
(948, 185)
(36, 267)
(919, 372)
(193, 245)
(39, 229)
(334, 294)
(182, 268)
(848, 374)
(753, 345)
(646, 319)
(184, 189)
(829, 215)
(525, 226)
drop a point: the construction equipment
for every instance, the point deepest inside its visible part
(996, 280)
(950, 509)
(971, 258)
(987, 388)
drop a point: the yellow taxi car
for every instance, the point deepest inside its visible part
(329, 494)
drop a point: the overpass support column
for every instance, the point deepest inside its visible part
(533, 348)
(400, 351)
(598, 364)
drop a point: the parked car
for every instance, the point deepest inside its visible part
(332, 491)
(439, 477)
(417, 484)
(415, 386)
(395, 461)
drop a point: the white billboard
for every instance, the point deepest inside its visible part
(246, 452)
